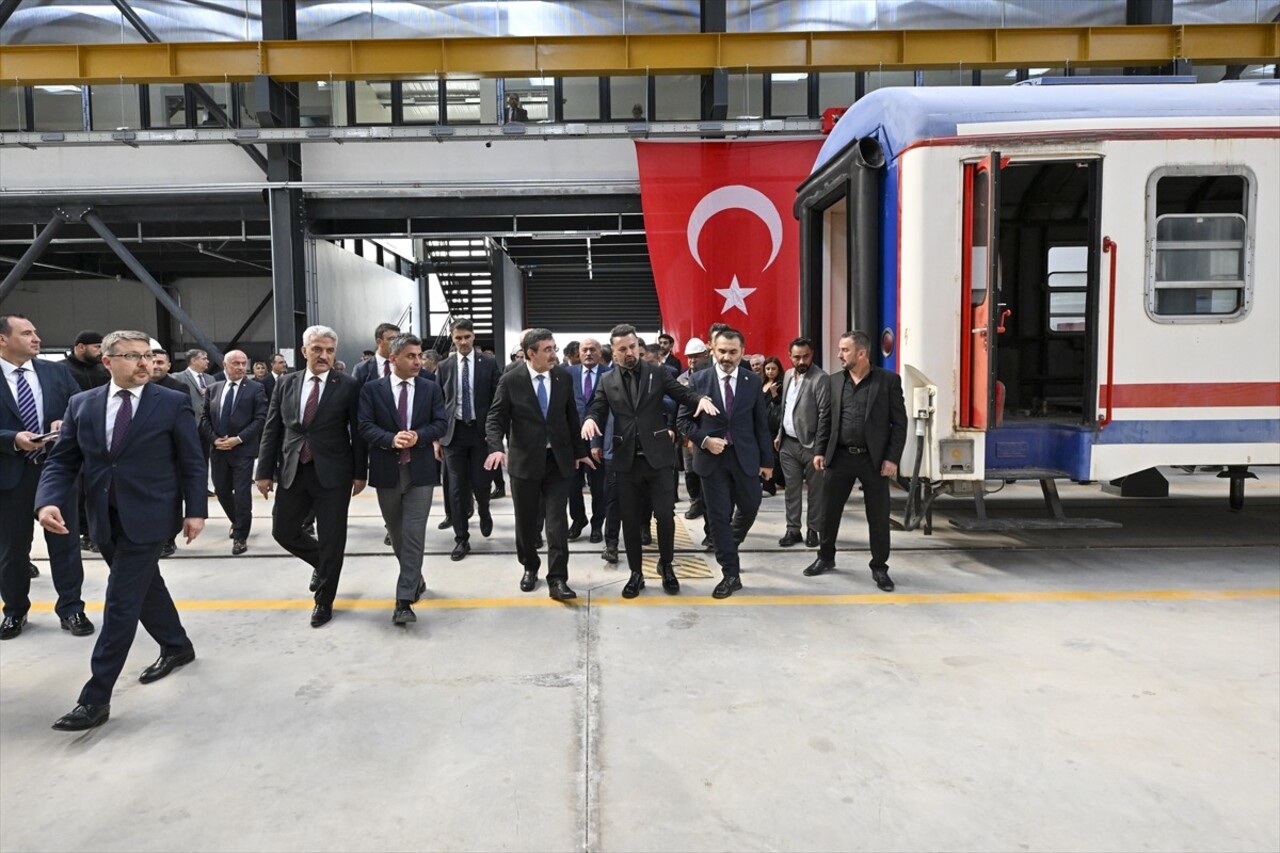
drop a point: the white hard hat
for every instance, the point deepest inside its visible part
(695, 346)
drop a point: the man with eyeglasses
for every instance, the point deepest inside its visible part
(33, 398)
(144, 480)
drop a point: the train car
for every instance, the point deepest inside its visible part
(1075, 281)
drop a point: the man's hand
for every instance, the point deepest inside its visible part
(705, 407)
(439, 451)
(767, 473)
(714, 446)
(493, 460)
(589, 429)
(228, 443)
(56, 426)
(597, 454)
(819, 463)
(191, 528)
(777, 444)
(584, 460)
(888, 469)
(357, 486)
(264, 486)
(404, 438)
(24, 441)
(50, 518)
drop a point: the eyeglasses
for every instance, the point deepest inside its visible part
(132, 356)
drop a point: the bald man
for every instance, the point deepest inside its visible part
(231, 422)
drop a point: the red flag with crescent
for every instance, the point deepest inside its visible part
(724, 245)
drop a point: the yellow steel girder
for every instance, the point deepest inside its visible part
(688, 53)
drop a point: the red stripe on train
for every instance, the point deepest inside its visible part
(1197, 394)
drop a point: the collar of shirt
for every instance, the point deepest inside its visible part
(324, 377)
(533, 376)
(471, 355)
(721, 376)
(195, 375)
(115, 389)
(10, 368)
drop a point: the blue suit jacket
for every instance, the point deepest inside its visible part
(379, 423)
(248, 415)
(575, 370)
(748, 422)
(159, 470)
(57, 386)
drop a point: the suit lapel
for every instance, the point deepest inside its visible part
(420, 394)
(7, 396)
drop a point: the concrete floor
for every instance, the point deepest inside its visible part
(1078, 690)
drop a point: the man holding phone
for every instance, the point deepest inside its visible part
(33, 397)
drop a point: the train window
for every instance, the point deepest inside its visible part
(1068, 277)
(1199, 243)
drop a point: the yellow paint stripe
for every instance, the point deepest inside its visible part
(743, 599)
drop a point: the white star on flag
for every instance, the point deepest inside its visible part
(735, 296)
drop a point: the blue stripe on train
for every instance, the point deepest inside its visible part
(1191, 432)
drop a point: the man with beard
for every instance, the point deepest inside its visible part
(806, 402)
(85, 361)
(160, 372)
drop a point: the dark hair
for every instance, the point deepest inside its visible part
(653, 349)
(5, 328)
(606, 353)
(367, 352)
(665, 337)
(860, 340)
(399, 342)
(729, 332)
(800, 342)
(622, 330)
(463, 323)
(570, 348)
(533, 337)
(383, 328)
(774, 360)
(716, 328)
(196, 353)
(430, 355)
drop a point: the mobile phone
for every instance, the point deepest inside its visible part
(40, 439)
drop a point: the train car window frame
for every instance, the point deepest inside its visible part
(1244, 246)
(1066, 281)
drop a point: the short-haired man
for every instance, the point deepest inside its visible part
(379, 366)
(193, 376)
(587, 375)
(160, 372)
(279, 367)
(667, 344)
(85, 361)
(806, 402)
(863, 440)
(572, 353)
(231, 424)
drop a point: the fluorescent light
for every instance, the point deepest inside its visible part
(59, 90)
(789, 77)
(1032, 72)
(542, 81)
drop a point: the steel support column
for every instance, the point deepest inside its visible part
(30, 256)
(135, 266)
(714, 18)
(288, 268)
(7, 8)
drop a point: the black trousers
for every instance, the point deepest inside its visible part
(593, 478)
(612, 510)
(732, 498)
(469, 483)
(532, 499)
(17, 531)
(842, 471)
(135, 593)
(233, 484)
(644, 491)
(324, 553)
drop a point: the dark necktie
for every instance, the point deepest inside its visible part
(27, 408)
(467, 414)
(386, 368)
(203, 388)
(631, 379)
(588, 386)
(228, 403)
(402, 411)
(543, 402)
(124, 417)
(728, 410)
(309, 415)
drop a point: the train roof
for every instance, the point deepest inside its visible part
(900, 116)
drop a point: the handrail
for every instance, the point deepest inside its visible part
(1109, 247)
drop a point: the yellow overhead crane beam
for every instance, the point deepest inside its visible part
(687, 53)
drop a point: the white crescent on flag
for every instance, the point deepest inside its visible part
(735, 196)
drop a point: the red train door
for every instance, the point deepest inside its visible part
(979, 277)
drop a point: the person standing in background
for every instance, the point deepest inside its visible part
(806, 403)
(231, 424)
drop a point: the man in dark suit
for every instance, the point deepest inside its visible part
(534, 410)
(587, 375)
(313, 432)
(401, 416)
(667, 344)
(644, 454)
(469, 380)
(160, 372)
(734, 451)
(33, 399)
(514, 112)
(144, 479)
(231, 425)
(379, 366)
(863, 440)
(806, 400)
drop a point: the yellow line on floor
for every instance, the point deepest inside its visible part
(655, 598)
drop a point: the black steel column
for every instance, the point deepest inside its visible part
(288, 268)
(30, 256)
(714, 18)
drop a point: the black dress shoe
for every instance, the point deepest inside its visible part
(404, 613)
(811, 541)
(610, 552)
(33, 569)
(707, 544)
(486, 524)
(238, 547)
(541, 543)
(166, 664)
(596, 536)
(575, 531)
(634, 584)
(86, 544)
(422, 587)
(646, 538)
(497, 493)
(882, 579)
(386, 540)
(791, 537)
(670, 585)
(170, 548)
(310, 530)
(316, 580)
(560, 591)
(460, 550)
(727, 587)
(320, 614)
(78, 624)
(529, 580)
(83, 717)
(446, 524)
(12, 626)
(819, 566)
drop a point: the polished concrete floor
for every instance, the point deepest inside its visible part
(1114, 689)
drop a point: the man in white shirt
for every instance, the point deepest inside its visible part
(806, 399)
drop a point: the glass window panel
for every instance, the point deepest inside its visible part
(947, 77)
(746, 96)
(887, 79)
(322, 104)
(581, 98)
(58, 108)
(1191, 301)
(1072, 302)
(13, 108)
(625, 94)
(1181, 229)
(1068, 259)
(218, 93)
(1066, 324)
(836, 89)
(248, 116)
(115, 107)
(790, 93)
(373, 101)
(534, 94)
(677, 98)
(168, 105)
(1068, 279)
(1199, 265)
(420, 100)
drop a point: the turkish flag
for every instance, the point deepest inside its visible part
(724, 245)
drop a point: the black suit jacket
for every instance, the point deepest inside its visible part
(247, 418)
(57, 386)
(268, 384)
(643, 424)
(515, 414)
(334, 434)
(886, 423)
(380, 421)
(747, 422)
(484, 384)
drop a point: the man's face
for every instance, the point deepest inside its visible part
(384, 343)
(159, 365)
(626, 351)
(589, 352)
(22, 343)
(849, 355)
(89, 353)
(464, 340)
(278, 365)
(728, 352)
(802, 359)
(199, 363)
(543, 358)
(407, 363)
(666, 342)
(653, 357)
(698, 359)
(320, 354)
(129, 363)
(236, 364)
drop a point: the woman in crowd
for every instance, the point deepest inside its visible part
(772, 375)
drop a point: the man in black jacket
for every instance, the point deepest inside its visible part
(863, 436)
(231, 425)
(85, 361)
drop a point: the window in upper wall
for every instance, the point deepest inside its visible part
(13, 108)
(420, 100)
(115, 107)
(625, 94)
(1200, 243)
(58, 107)
(168, 102)
(677, 97)
(581, 98)
(789, 95)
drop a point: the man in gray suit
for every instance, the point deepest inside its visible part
(806, 398)
(195, 379)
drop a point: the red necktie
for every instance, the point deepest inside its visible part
(403, 412)
(309, 415)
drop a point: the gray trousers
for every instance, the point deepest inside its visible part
(405, 509)
(800, 476)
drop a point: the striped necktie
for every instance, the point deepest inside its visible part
(27, 408)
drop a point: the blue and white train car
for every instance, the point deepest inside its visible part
(1074, 281)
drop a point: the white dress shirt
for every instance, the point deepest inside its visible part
(113, 405)
(381, 364)
(396, 384)
(789, 405)
(594, 373)
(197, 378)
(468, 390)
(307, 385)
(33, 382)
(546, 382)
(733, 380)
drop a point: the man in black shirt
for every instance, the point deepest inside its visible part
(85, 361)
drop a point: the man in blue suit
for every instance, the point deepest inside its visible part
(231, 425)
(738, 451)
(144, 480)
(587, 374)
(401, 416)
(33, 398)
